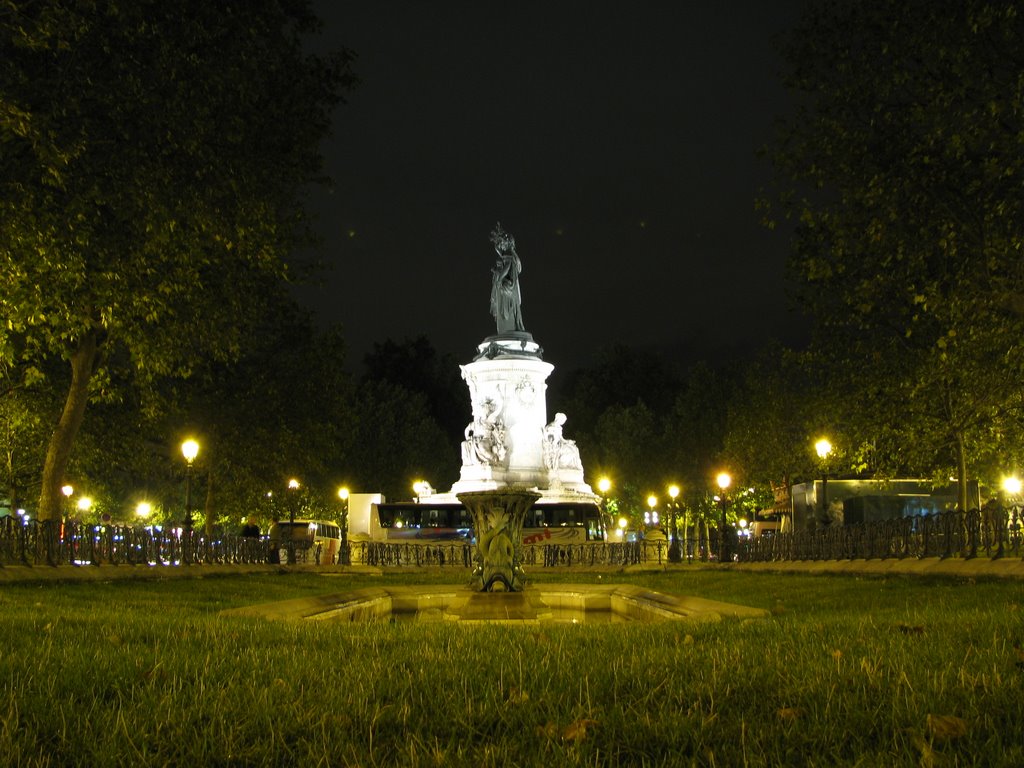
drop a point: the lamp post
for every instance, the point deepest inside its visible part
(724, 481)
(1011, 521)
(422, 488)
(189, 449)
(84, 505)
(651, 517)
(1012, 486)
(604, 485)
(673, 548)
(293, 500)
(67, 490)
(823, 448)
(56, 531)
(343, 557)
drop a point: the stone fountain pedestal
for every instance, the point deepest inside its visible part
(498, 525)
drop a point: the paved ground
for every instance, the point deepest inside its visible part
(1005, 568)
(978, 567)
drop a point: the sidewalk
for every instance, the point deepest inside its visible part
(979, 567)
(12, 574)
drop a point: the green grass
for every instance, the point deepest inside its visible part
(845, 672)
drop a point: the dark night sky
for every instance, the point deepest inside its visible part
(615, 141)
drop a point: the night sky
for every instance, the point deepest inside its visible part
(616, 142)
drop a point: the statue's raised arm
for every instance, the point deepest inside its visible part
(505, 295)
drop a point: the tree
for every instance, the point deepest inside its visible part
(23, 400)
(294, 379)
(778, 411)
(415, 365)
(902, 169)
(395, 435)
(695, 429)
(622, 376)
(627, 439)
(154, 158)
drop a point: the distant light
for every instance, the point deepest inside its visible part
(673, 491)
(67, 490)
(85, 503)
(724, 480)
(293, 484)
(623, 522)
(652, 501)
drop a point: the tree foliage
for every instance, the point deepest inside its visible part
(417, 367)
(695, 429)
(902, 169)
(154, 159)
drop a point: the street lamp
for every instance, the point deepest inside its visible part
(673, 548)
(189, 449)
(422, 488)
(823, 448)
(293, 486)
(724, 481)
(1012, 486)
(143, 509)
(651, 518)
(604, 485)
(343, 555)
(68, 491)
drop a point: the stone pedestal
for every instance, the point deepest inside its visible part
(503, 443)
(498, 526)
(509, 442)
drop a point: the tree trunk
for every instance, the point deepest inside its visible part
(83, 360)
(961, 471)
(12, 487)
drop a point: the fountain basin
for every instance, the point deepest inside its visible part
(550, 603)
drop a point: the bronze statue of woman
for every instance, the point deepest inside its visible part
(505, 295)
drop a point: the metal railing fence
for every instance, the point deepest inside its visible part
(993, 532)
(59, 542)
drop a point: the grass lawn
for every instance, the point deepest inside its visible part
(898, 671)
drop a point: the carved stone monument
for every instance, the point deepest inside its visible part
(510, 450)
